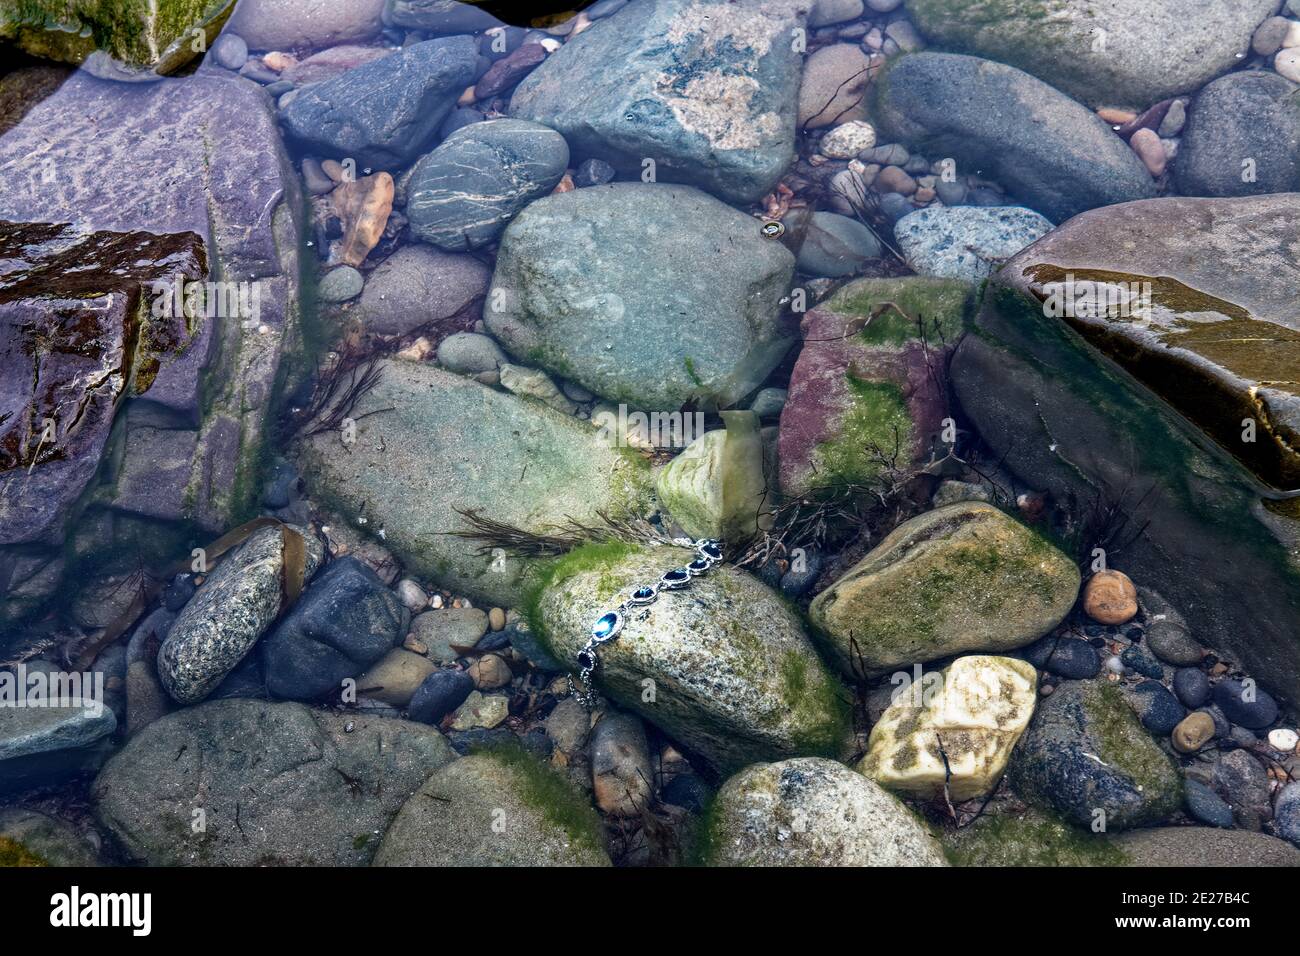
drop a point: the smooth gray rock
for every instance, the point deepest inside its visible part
(447, 445)
(623, 780)
(966, 242)
(464, 192)
(240, 599)
(345, 620)
(46, 745)
(1120, 53)
(448, 822)
(419, 286)
(305, 24)
(341, 284)
(603, 286)
(278, 784)
(833, 245)
(470, 353)
(438, 17)
(1204, 846)
(705, 89)
(1242, 137)
(383, 114)
(1051, 152)
(55, 841)
(817, 813)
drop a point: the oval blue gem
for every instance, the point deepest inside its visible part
(606, 626)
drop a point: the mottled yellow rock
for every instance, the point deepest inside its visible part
(974, 717)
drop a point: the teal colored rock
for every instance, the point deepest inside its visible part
(705, 90)
(724, 667)
(607, 287)
(1120, 53)
(438, 445)
(1051, 152)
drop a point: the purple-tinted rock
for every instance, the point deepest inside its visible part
(867, 383)
(506, 72)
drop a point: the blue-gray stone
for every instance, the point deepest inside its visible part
(341, 284)
(1156, 707)
(966, 242)
(832, 245)
(383, 113)
(607, 287)
(230, 51)
(593, 172)
(896, 206)
(458, 119)
(46, 745)
(1192, 686)
(1204, 804)
(1286, 813)
(1051, 152)
(704, 88)
(440, 694)
(1245, 704)
(439, 17)
(1136, 659)
(344, 622)
(464, 192)
(1068, 657)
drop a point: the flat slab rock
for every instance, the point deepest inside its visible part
(707, 90)
(278, 784)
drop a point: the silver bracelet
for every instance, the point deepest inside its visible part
(608, 626)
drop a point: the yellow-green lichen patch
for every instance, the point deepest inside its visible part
(875, 426)
(14, 854)
(899, 311)
(1031, 839)
(1124, 744)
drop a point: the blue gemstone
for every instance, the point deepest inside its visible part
(643, 593)
(607, 626)
(675, 578)
(699, 566)
(711, 550)
(585, 659)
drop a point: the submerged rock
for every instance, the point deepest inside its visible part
(1204, 846)
(444, 445)
(306, 24)
(383, 114)
(866, 382)
(1052, 153)
(51, 841)
(705, 90)
(43, 745)
(464, 192)
(418, 286)
(494, 810)
(961, 734)
(966, 242)
(716, 488)
(724, 666)
(236, 604)
(965, 577)
(1087, 758)
(603, 286)
(1123, 52)
(1193, 297)
(277, 784)
(813, 812)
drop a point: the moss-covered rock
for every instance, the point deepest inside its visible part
(965, 577)
(431, 446)
(724, 666)
(154, 34)
(813, 812)
(1087, 758)
(961, 733)
(31, 838)
(494, 809)
(867, 387)
(716, 488)
(1032, 838)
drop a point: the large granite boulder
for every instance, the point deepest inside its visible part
(495, 809)
(964, 577)
(153, 35)
(868, 387)
(189, 426)
(603, 286)
(707, 90)
(813, 812)
(464, 192)
(441, 445)
(1051, 152)
(1086, 757)
(1120, 53)
(955, 739)
(1242, 137)
(383, 113)
(248, 783)
(1089, 345)
(724, 666)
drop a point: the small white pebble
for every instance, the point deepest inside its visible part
(1283, 739)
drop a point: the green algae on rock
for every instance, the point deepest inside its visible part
(965, 577)
(1206, 534)
(156, 34)
(1032, 838)
(811, 811)
(869, 384)
(450, 820)
(431, 445)
(724, 667)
